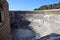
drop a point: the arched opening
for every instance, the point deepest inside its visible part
(1, 8)
(0, 17)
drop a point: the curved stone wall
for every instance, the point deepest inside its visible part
(42, 22)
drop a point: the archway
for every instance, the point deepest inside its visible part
(1, 8)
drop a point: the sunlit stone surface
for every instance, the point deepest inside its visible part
(42, 24)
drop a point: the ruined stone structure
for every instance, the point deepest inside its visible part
(4, 21)
(27, 25)
(42, 22)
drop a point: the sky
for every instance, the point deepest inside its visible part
(29, 4)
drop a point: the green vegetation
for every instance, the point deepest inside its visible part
(51, 6)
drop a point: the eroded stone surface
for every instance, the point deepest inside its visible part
(4, 23)
(43, 24)
(52, 36)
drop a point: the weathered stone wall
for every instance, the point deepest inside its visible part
(42, 22)
(5, 23)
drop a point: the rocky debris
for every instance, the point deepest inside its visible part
(52, 36)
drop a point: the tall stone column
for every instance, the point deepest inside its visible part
(4, 21)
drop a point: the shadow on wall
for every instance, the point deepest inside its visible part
(52, 36)
(21, 30)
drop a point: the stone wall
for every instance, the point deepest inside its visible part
(28, 24)
(43, 22)
(5, 23)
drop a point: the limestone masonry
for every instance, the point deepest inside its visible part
(23, 25)
(4, 21)
(43, 22)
